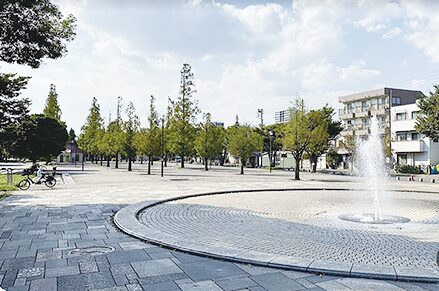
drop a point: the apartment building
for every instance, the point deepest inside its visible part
(283, 116)
(358, 109)
(408, 146)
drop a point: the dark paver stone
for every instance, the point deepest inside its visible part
(43, 284)
(163, 286)
(210, 269)
(276, 281)
(86, 281)
(236, 283)
(127, 256)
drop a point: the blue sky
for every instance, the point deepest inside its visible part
(245, 54)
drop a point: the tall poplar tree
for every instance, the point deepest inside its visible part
(131, 126)
(182, 128)
(91, 131)
(52, 109)
(153, 146)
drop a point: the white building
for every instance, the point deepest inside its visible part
(408, 146)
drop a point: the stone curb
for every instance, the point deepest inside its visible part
(127, 220)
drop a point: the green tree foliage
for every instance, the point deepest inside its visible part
(300, 133)
(72, 135)
(33, 30)
(91, 131)
(39, 137)
(322, 121)
(210, 140)
(275, 140)
(131, 126)
(113, 141)
(182, 129)
(243, 142)
(52, 109)
(428, 122)
(153, 142)
(13, 109)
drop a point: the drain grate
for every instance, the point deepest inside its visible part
(93, 250)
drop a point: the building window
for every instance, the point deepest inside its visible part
(401, 159)
(396, 100)
(401, 116)
(416, 136)
(401, 136)
(415, 114)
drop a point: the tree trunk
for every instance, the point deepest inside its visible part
(117, 161)
(314, 167)
(166, 160)
(242, 168)
(296, 170)
(101, 158)
(141, 160)
(129, 164)
(108, 161)
(149, 165)
(182, 161)
(205, 164)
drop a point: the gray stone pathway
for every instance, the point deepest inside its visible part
(58, 239)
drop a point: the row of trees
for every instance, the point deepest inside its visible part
(178, 134)
(30, 31)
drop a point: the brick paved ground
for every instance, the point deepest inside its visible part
(56, 239)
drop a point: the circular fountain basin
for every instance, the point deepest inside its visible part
(310, 230)
(369, 218)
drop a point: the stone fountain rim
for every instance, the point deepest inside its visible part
(127, 220)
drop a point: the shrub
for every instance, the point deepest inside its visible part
(407, 169)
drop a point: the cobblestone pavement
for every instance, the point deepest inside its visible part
(265, 226)
(65, 239)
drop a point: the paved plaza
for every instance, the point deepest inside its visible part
(65, 238)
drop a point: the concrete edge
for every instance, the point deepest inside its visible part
(127, 220)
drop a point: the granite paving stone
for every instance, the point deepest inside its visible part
(43, 284)
(86, 281)
(207, 285)
(276, 281)
(162, 286)
(155, 268)
(63, 271)
(236, 283)
(211, 269)
(118, 257)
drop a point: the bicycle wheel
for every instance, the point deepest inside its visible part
(50, 182)
(23, 184)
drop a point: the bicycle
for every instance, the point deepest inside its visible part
(48, 180)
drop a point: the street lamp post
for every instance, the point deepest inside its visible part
(162, 145)
(270, 133)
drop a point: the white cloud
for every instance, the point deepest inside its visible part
(394, 32)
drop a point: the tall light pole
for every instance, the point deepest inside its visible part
(261, 116)
(162, 143)
(270, 134)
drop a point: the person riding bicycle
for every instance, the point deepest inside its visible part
(40, 175)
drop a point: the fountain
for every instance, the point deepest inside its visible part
(370, 164)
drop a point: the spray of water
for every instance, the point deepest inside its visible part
(370, 163)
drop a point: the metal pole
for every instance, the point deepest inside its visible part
(270, 154)
(162, 145)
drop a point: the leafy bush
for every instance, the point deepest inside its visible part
(407, 169)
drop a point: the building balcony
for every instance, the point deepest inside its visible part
(344, 114)
(362, 113)
(379, 110)
(409, 146)
(347, 132)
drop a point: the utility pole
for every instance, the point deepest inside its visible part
(261, 116)
(162, 143)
